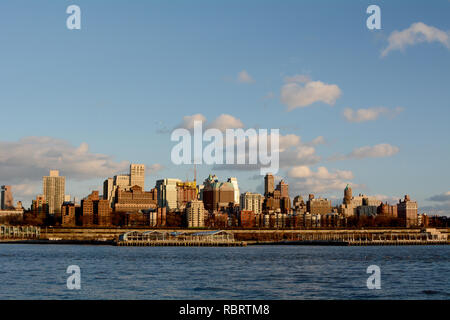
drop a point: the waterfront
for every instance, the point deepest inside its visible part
(254, 272)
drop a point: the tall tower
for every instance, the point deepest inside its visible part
(269, 184)
(137, 175)
(7, 201)
(347, 195)
(54, 190)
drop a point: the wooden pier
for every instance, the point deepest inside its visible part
(181, 243)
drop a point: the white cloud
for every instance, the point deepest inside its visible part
(226, 121)
(32, 157)
(370, 114)
(417, 33)
(305, 180)
(377, 151)
(244, 77)
(381, 150)
(300, 92)
(188, 121)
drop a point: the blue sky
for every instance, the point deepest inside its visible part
(136, 68)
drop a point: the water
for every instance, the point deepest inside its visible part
(253, 272)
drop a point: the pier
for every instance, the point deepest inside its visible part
(219, 238)
(427, 236)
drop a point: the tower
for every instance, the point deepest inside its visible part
(269, 184)
(347, 195)
(54, 190)
(7, 201)
(137, 175)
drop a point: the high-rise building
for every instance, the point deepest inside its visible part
(235, 185)
(137, 175)
(54, 187)
(68, 214)
(95, 211)
(318, 206)
(269, 184)
(167, 193)
(195, 214)
(251, 202)
(39, 207)
(7, 200)
(186, 191)
(134, 200)
(407, 211)
(348, 194)
(217, 195)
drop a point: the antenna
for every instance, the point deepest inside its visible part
(195, 173)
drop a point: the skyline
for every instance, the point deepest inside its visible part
(370, 109)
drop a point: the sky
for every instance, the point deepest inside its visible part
(365, 107)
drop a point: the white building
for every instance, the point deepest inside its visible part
(167, 193)
(234, 182)
(252, 202)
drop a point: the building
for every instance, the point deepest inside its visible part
(387, 210)
(407, 211)
(186, 191)
(235, 185)
(136, 177)
(54, 187)
(318, 206)
(39, 206)
(195, 214)
(167, 193)
(68, 214)
(350, 203)
(134, 200)
(251, 202)
(95, 211)
(217, 195)
(7, 200)
(269, 184)
(247, 219)
(299, 205)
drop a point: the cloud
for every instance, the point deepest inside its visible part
(244, 77)
(443, 197)
(304, 180)
(188, 121)
(23, 163)
(226, 121)
(153, 168)
(417, 33)
(301, 92)
(378, 151)
(370, 114)
(222, 122)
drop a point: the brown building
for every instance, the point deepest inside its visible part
(387, 210)
(269, 184)
(68, 214)
(186, 192)
(247, 219)
(7, 200)
(134, 199)
(217, 195)
(39, 207)
(407, 211)
(318, 206)
(95, 211)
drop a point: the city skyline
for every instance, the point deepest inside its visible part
(94, 100)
